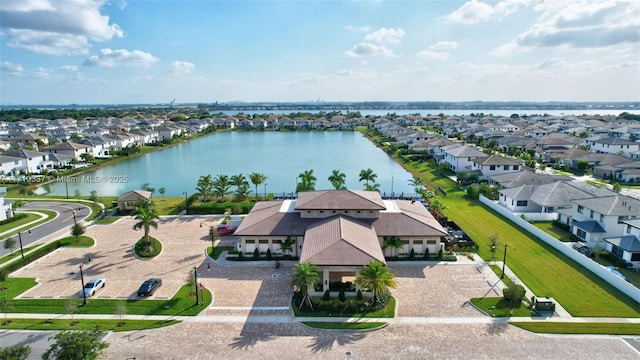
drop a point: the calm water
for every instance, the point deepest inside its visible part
(281, 156)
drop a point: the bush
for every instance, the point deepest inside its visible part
(449, 257)
(440, 254)
(326, 296)
(15, 217)
(256, 253)
(342, 296)
(513, 294)
(426, 254)
(359, 295)
(412, 254)
(32, 256)
(268, 254)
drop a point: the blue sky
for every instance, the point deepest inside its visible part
(151, 51)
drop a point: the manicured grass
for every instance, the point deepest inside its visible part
(543, 269)
(168, 205)
(579, 328)
(498, 307)
(141, 248)
(108, 220)
(386, 312)
(16, 253)
(81, 241)
(29, 218)
(183, 303)
(555, 230)
(344, 325)
(498, 271)
(219, 250)
(84, 324)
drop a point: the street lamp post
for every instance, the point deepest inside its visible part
(392, 187)
(211, 230)
(265, 191)
(186, 205)
(20, 240)
(504, 261)
(74, 217)
(195, 275)
(84, 293)
(66, 185)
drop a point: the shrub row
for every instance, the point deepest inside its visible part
(33, 256)
(15, 217)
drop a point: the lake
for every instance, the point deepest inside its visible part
(280, 156)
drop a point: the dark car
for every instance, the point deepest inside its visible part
(148, 287)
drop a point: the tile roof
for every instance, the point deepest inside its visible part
(341, 241)
(339, 200)
(619, 205)
(629, 243)
(591, 226)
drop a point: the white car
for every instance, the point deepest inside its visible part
(92, 286)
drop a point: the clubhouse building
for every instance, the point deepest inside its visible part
(339, 231)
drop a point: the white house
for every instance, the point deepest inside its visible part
(460, 158)
(595, 219)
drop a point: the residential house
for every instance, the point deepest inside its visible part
(129, 200)
(32, 162)
(495, 165)
(627, 245)
(614, 145)
(70, 148)
(595, 219)
(5, 209)
(461, 158)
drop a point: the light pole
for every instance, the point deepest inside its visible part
(84, 293)
(66, 186)
(504, 261)
(20, 240)
(74, 217)
(392, 187)
(195, 275)
(265, 191)
(186, 205)
(211, 230)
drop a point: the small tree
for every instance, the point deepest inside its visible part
(342, 296)
(15, 352)
(76, 193)
(5, 307)
(494, 245)
(513, 294)
(617, 187)
(77, 230)
(121, 309)
(256, 253)
(77, 345)
(268, 254)
(10, 244)
(162, 191)
(70, 307)
(93, 196)
(326, 296)
(17, 205)
(190, 279)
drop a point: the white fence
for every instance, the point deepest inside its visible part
(538, 216)
(589, 264)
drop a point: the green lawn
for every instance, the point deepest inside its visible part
(84, 324)
(183, 303)
(30, 217)
(580, 328)
(498, 307)
(219, 250)
(344, 325)
(108, 220)
(81, 241)
(543, 269)
(555, 230)
(16, 253)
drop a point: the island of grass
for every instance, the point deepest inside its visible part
(84, 324)
(580, 328)
(77, 241)
(348, 308)
(499, 307)
(148, 249)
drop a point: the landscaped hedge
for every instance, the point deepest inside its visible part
(14, 218)
(33, 256)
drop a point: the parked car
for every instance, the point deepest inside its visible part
(92, 286)
(148, 287)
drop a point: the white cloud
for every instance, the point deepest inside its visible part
(348, 75)
(56, 27)
(432, 55)
(550, 63)
(444, 45)
(368, 49)
(112, 58)
(580, 24)
(40, 73)
(181, 68)
(386, 35)
(69, 68)
(474, 11)
(357, 28)
(9, 68)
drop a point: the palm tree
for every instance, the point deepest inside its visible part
(257, 179)
(372, 187)
(417, 184)
(366, 176)
(287, 245)
(242, 192)
(238, 180)
(221, 185)
(338, 179)
(204, 187)
(375, 277)
(16, 205)
(392, 242)
(146, 216)
(305, 276)
(307, 181)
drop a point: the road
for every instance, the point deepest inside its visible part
(64, 220)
